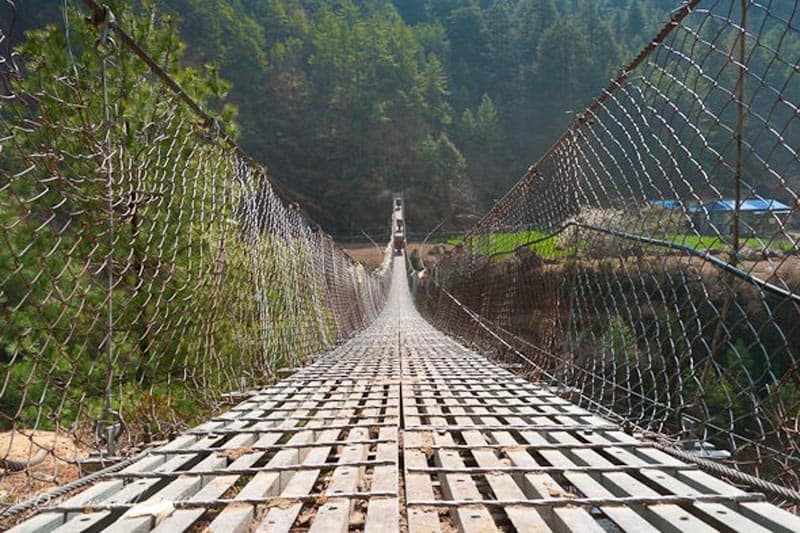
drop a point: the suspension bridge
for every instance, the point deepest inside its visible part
(612, 347)
(403, 418)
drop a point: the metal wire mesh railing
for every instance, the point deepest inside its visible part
(648, 264)
(146, 265)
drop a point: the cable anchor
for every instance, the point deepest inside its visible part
(108, 428)
(105, 19)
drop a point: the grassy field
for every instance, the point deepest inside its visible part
(506, 242)
(709, 243)
(549, 248)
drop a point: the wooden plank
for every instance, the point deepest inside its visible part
(40, 523)
(215, 486)
(714, 511)
(150, 513)
(544, 486)
(627, 518)
(212, 487)
(334, 515)
(180, 442)
(418, 484)
(459, 486)
(270, 483)
(84, 522)
(48, 521)
(764, 513)
(708, 512)
(281, 518)
(237, 517)
(524, 519)
(383, 514)
(129, 493)
(664, 516)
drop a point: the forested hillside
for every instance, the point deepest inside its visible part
(449, 100)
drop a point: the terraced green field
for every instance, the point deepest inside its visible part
(553, 246)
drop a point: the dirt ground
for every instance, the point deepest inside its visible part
(57, 468)
(370, 256)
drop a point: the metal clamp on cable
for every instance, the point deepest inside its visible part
(108, 428)
(216, 127)
(106, 21)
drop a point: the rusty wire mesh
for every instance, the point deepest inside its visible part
(146, 266)
(648, 263)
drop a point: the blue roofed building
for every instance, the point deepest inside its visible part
(666, 204)
(758, 216)
(751, 205)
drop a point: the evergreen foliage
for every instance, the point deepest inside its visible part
(340, 97)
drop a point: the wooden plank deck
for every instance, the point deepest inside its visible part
(480, 450)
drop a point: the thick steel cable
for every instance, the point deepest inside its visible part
(47, 498)
(784, 493)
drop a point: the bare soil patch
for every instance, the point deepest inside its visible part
(58, 467)
(371, 257)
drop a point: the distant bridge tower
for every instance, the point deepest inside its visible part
(398, 223)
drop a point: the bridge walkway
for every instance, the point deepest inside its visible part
(402, 428)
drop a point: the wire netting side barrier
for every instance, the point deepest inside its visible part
(648, 263)
(146, 266)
